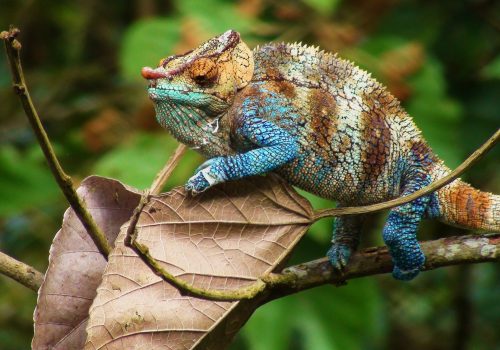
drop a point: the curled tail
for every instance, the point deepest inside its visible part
(462, 205)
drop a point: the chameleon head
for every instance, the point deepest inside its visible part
(206, 77)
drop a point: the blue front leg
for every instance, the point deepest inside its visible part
(275, 147)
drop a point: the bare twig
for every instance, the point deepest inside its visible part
(13, 47)
(20, 272)
(436, 185)
(162, 177)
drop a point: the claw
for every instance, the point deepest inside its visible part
(339, 255)
(405, 275)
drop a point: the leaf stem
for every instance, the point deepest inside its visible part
(13, 47)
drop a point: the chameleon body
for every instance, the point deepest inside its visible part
(321, 123)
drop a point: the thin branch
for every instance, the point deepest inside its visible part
(162, 177)
(436, 185)
(26, 275)
(13, 47)
(158, 183)
(373, 261)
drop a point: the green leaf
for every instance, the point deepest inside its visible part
(146, 42)
(326, 7)
(270, 327)
(321, 230)
(225, 17)
(25, 181)
(492, 70)
(434, 112)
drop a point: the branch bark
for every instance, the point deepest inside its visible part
(442, 252)
(13, 47)
(20, 272)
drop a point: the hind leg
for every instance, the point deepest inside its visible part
(346, 232)
(400, 230)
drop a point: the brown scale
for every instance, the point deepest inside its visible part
(322, 109)
(377, 138)
(423, 153)
(283, 87)
(273, 74)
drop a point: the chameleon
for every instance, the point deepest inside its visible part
(321, 123)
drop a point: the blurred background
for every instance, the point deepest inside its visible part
(82, 61)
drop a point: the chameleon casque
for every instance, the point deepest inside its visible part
(321, 123)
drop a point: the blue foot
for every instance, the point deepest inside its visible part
(412, 264)
(207, 175)
(405, 275)
(339, 255)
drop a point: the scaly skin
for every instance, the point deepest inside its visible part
(320, 122)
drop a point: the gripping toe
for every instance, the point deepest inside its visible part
(339, 255)
(405, 275)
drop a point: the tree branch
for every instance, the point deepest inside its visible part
(374, 261)
(13, 47)
(20, 272)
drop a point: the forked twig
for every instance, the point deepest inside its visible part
(13, 47)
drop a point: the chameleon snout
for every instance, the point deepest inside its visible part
(153, 74)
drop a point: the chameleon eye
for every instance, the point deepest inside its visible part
(203, 71)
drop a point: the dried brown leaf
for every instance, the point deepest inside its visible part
(76, 266)
(223, 239)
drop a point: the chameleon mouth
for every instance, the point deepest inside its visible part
(160, 93)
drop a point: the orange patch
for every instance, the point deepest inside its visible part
(466, 205)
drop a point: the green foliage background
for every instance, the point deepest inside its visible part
(82, 62)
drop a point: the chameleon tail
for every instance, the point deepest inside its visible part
(462, 205)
